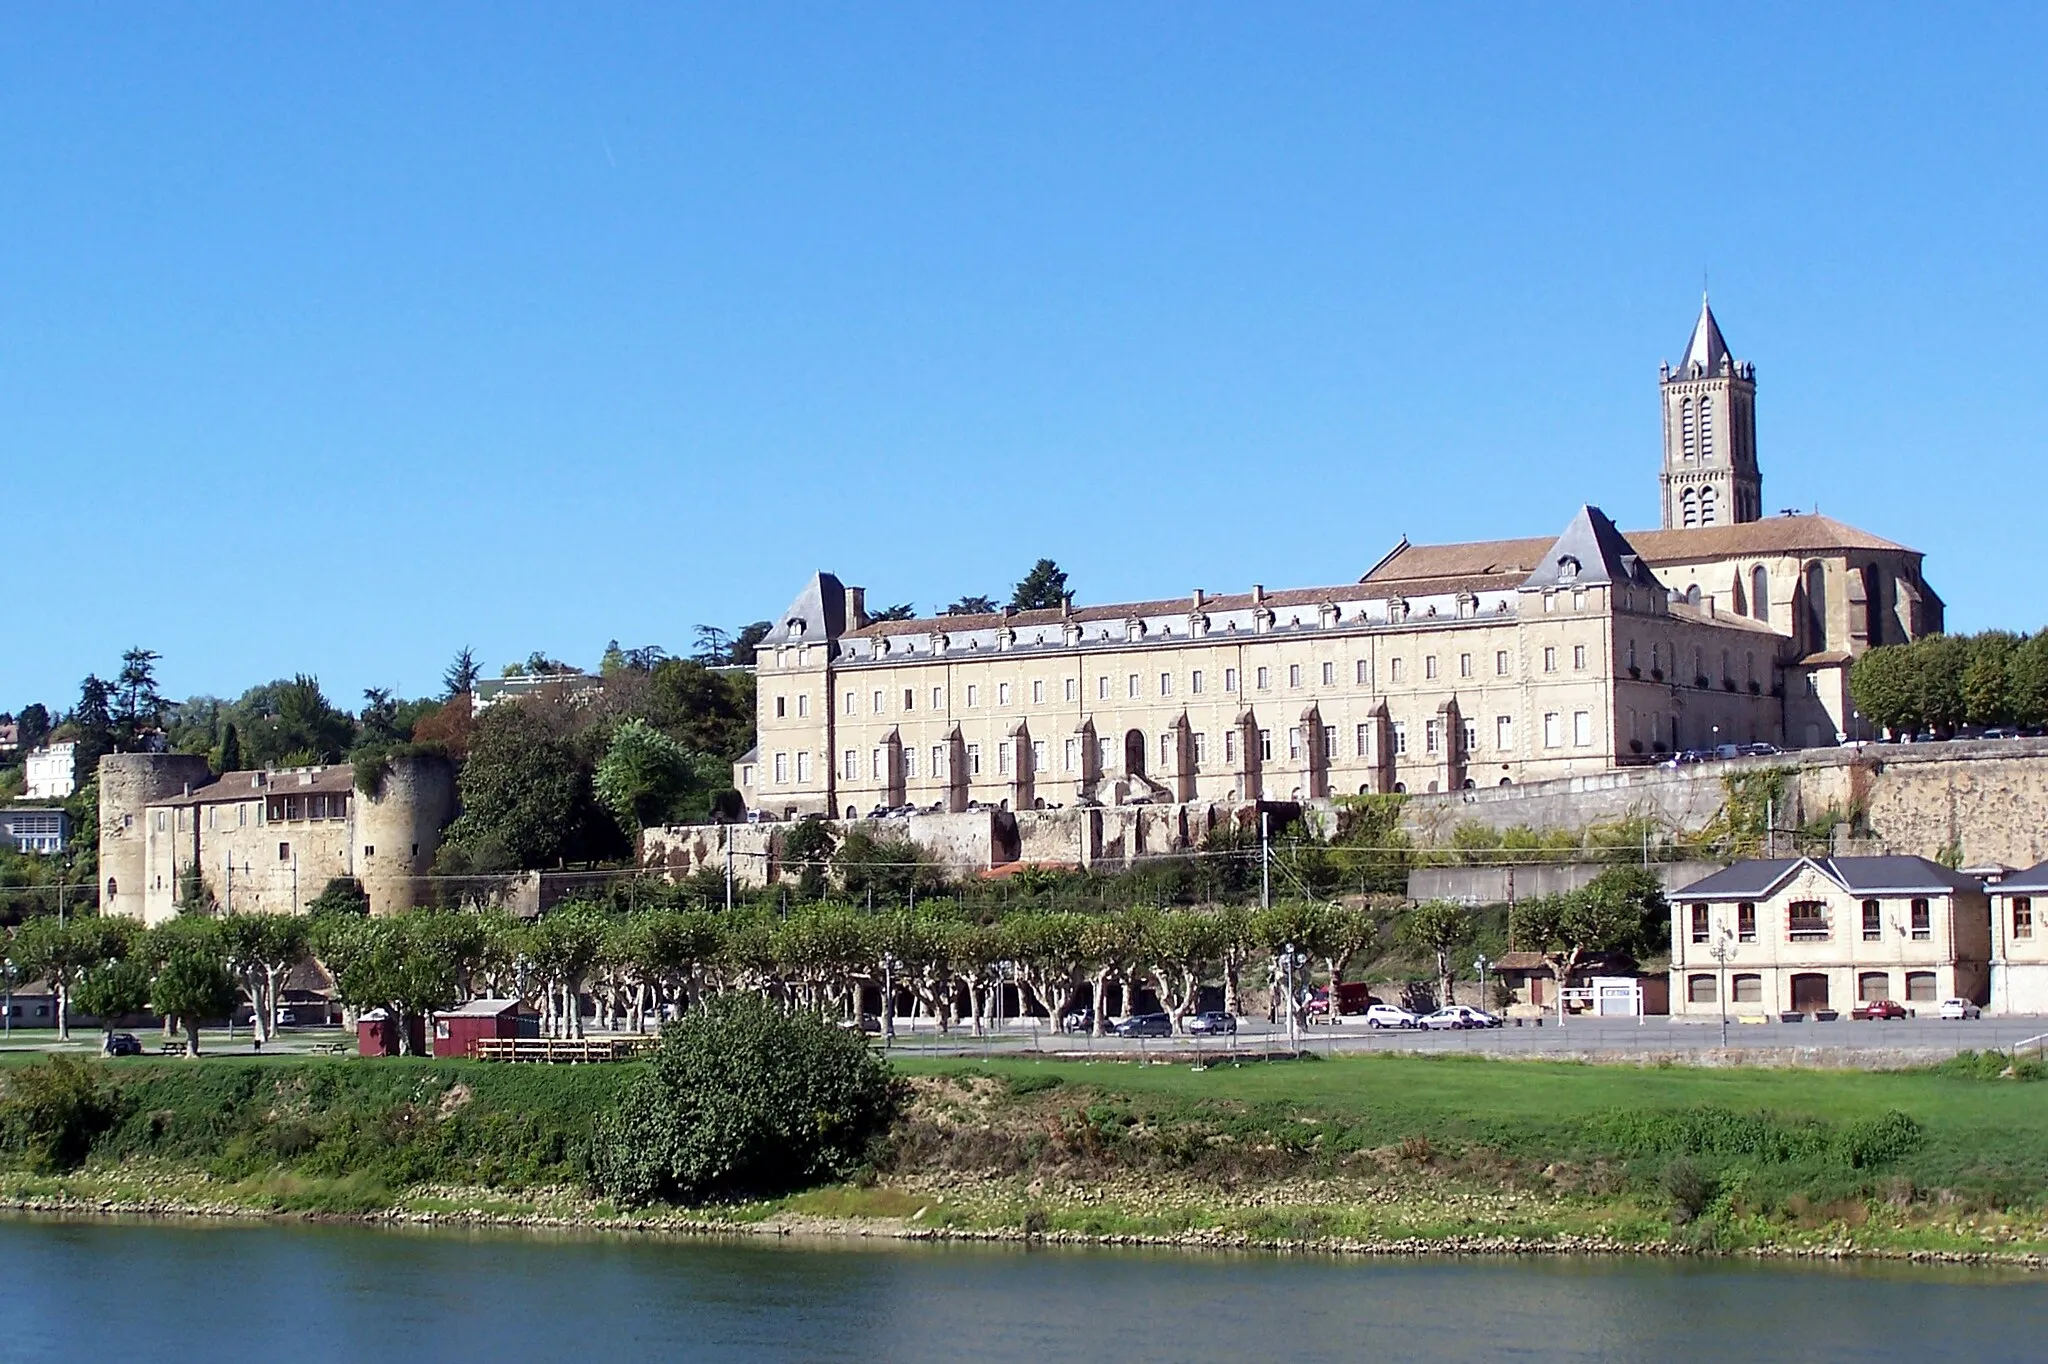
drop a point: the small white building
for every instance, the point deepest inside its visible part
(34, 829)
(2019, 942)
(51, 771)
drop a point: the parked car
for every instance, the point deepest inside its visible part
(1211, 1025)
(123, 1044)
(1459, 1016)
(1880, 1008)
(1143, 1025)
(1080, 1020)
(1960, 1008)
(1390, 1016)
(1760, 750)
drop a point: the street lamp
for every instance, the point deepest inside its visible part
(1721, 951)
(1480, 966)
(1293, 1004)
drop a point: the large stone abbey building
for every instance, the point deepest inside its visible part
(1443, 666)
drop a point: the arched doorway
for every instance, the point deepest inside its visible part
(1809, 991)
(1134, 753)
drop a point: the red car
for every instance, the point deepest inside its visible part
(1880, 1008)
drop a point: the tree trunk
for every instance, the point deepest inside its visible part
(191, 1036)
(1099, 1002)
(63, 1008)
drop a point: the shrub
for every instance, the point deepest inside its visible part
(742, 1098)
(1870, 1142)
(1690, 1189)
(53, 1112)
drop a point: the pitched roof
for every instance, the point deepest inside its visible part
(2032, 881)
(818, 613)
(1706, 349)
(293, 781)
(1889, 875)
(1591, 551)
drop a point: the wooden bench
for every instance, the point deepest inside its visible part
(175, 1049)
(330, 1048)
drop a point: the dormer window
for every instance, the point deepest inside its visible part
(1567, 568)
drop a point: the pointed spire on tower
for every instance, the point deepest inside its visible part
(1706, 349)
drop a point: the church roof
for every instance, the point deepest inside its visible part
(1772, 535)
(1706, 349)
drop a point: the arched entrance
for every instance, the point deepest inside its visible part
(1809, 991)
(1134, 753)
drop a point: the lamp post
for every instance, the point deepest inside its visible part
(1293, 1024)
(1721, 951)
(1480, 966)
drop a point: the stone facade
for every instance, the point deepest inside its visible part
(1811, 934)
(2019, 942)
(265, 842)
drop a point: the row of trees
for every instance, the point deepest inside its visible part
(664, 962)
(1944, 682)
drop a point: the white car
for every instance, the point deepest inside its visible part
(1390, 1016)
(1960, 1008)
(1460, 1016)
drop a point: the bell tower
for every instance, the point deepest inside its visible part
(1710, 476)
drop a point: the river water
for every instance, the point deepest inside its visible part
(173, 1292)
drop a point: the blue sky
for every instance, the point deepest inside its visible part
(332, 339)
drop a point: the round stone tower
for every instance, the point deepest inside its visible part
(129, 784)
(398, 830)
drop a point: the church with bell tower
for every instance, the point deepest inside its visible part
(1710, 472)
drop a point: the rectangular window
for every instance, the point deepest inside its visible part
(1229, 745)
(1201, 748)
(1230, 679)
(1579, 657)
(1294, 742)
(1362, 673)
(1504, 732)
(1038, 755)
(1073, 689)
(1701, 989)
(1747, 989)
(1400, 738)
(1700, 931)
(1166, 752)
(1294, 675)
(1102, 688)
(1806, 921)
(938, 698)
(1103, 755)
(1553, 732)
(781, 707)
(782, 769)
(973, 695)
(1429, 668)
(1002, 693)
(1471, 736)
(1923, 921)
(1549, 659)
(284, 852)
(1265, 745)
(974, 760)
(803, 705)
(1329, 741)
(909, 698)
(1002, 759)
(850, 706)
(939, 761)
(878, 703)
(1500, 663)
(1329, 674)
(1264, 679)
(1582, 727)
(1195, 682)
(1921, 987)
(878, 765)
(1432, 736)
(1166, 684)
(851, 766)
(1464, 665)
(2022, 916)
(1745, 922)
(1364, 742)
(1131, 686)
(1037, 693)
(1072, 751)
(1394, 670)
(1873, 922)
(803, 766)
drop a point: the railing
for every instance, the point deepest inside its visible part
(561, 1050)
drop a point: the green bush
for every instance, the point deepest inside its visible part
(1870, 1142)
(1689, 1187)
(742, 1098)
(53, 1112)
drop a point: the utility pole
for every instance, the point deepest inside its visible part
(728, 871)
(1720, 953)
(1265, 860)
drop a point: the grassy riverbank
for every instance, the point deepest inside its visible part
(1364, 1151)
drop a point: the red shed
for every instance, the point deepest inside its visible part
(377, 1034)
(456, 1030)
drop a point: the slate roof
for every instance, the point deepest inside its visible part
(1591, 551)
(1706, 348)
(820, 608)
(298, 781)
(1758, 877)
(2032, 881)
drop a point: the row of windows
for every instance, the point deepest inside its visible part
(1662, 654)
(1808, 921)
(1744, 987)
(276, 810)
(1197, 682)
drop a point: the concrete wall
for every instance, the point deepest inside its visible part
(1498, 885)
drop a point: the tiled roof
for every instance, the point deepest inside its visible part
(296, 781)
(1758, 877)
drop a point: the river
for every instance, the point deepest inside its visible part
(169, 1292)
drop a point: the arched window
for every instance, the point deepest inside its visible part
(112, 889)
(1706, 506)
(1692, 595)
(1706, 430)
(1687, 436)
(1689, 508)
(1760, 593)
(1816, 606)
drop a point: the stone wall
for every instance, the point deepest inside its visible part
(1498, 885)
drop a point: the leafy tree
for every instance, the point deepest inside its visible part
(230, 750)
(33, 724)
(2027, 680)
(62, 951)
(461, 675)
(746, 641)
(113, 988)
(1635, 892)
(191, 981)
(91, 723)
(1942, 662)
(1884, 684)
(710, 712)
(714, 646)
(1568, 928)
(343, 895)
(1987, 677)
(137, 705)
(972, 606)
(902, 610)
(378, 721)
(743, 1098)
(400, 963)
(522, 792)
(808, 846)
(643, 776)
(291, 722)
(260, 951)
(55, 1110)
(1043, 588)
(1438, 928)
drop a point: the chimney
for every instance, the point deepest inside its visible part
(1198, 599)
(1066, 605)
(1258, 594)
(856, 608)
